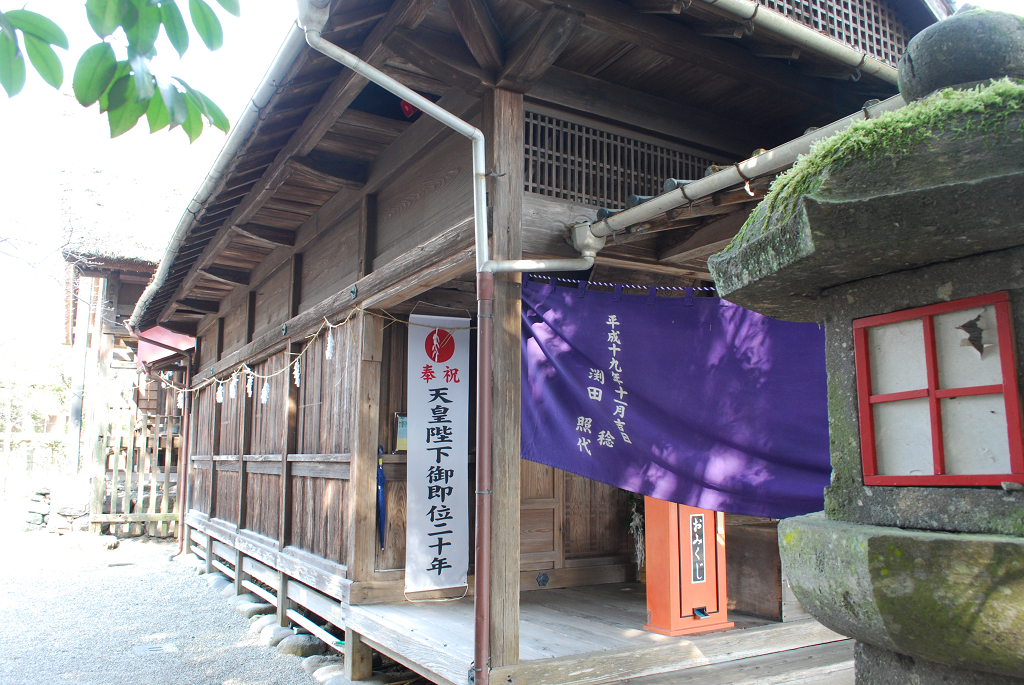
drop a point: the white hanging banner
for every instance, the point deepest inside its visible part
(437, 532)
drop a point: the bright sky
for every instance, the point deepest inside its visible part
(61, 173)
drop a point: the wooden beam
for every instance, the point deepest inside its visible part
(210, 306)
(504, 129)
(722, 31)
(273, 237)
(538, 47)
(436, 261)
(229, 276)
(344, 89)
(677, 40)
(650, 267)
(427, 50)
(479, 31)
(592, 95)
(777, 51)
(708, 239)
(659, 6)
(331, 171)
(358, 17)
(414, 79)
(367, 246)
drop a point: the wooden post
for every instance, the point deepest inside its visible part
(289, 439)
(282, 599)
(367, 247)
(99, 404)
(503, 127)
(165, 500)
(362, 498)
(358, 657)
(244, 447)
(214, 453)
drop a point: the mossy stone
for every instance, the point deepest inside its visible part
(971, 46)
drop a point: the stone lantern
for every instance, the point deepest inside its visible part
(904, 237)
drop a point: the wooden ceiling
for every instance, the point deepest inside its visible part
(325, 130)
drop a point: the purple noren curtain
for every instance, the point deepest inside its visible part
(691, 400)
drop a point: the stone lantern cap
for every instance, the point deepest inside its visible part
(937, 180)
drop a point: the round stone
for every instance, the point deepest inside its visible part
(301, 645)
(312, 664)
(972, 46)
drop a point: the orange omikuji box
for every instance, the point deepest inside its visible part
(686, 590)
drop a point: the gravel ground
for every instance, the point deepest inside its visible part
(74, 613)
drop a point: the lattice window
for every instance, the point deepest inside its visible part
(573, 160)
(870, 26)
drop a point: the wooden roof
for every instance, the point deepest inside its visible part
(326, 130)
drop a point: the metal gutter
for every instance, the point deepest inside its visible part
(293, 44)
(771, 162)
(805, 37)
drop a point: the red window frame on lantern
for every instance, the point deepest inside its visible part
(935, 394)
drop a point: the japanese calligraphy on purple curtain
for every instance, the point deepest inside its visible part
(687, 399)
(437, 532)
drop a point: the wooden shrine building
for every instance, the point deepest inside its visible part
(340, 206)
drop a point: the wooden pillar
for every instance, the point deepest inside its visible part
(367, 247)
(283, 603)
(289, 425)
(362, 490)
(503, 127)
(99, 403)
(358, 657)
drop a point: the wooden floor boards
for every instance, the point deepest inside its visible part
(592, 635)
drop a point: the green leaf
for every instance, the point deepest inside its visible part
(157, 114)
(12, 65)
(207, 24)
(105, 15)
(123, 119)
(208, 108)
(122, 70)
(140, 71)
(126, 110)
(174, 26)
(94, 73)
(120, 93)
(44, 59)
(231, 6)
(193, 124)
(38, 26)
(6, 25)
(215, 114)
(177, 109)
(143, 33)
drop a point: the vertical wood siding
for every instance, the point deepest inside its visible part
(262, 503)
(199, 487)
(326, 396)
(205, 421)
(267, 429)
(226, 505)
(317, 516)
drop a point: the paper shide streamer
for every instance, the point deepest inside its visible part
(265, 392)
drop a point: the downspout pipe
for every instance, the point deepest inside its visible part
(803, 36)
(313, 16)
(771, 162)
(293, 44)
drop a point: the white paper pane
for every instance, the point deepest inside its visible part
(897, 357)
(974, 434)
(903, 438)
(960, 363)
